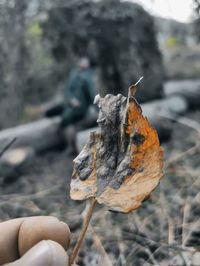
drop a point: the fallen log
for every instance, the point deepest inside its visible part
(156, 112)
(14, 162)
(163, 128)
(51, 108)
(40, 135)
(189, 89)
(45, 134)
(172, 104)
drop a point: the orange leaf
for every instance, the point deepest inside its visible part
(122, 163)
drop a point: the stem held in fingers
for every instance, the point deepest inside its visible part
(86, 222)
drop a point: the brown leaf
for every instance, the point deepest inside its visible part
(122, 163)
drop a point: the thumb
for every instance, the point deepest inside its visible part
(45, 253)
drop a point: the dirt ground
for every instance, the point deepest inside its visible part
(164, 231)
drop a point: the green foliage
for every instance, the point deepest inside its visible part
(34, 30)
(172, 42)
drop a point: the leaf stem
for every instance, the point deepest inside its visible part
(86, 222)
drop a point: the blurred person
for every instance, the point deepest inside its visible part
(79, 94)
(34, 241)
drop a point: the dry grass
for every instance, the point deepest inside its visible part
(164, 231)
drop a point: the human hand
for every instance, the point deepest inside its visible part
(34, 241)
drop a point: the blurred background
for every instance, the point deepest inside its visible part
(41, 43)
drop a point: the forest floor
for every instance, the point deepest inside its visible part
(164, 231)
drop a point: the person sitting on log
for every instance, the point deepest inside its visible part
(78, 98)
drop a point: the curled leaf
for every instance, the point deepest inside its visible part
(122, 163)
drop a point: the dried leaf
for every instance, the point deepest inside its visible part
(122, 163)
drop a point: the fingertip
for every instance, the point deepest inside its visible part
(58, 254)
(9, 240)
(46, 252)
(67, 233)
(35, 229)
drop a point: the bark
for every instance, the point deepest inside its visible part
(40, 135)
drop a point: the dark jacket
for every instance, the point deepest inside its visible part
(80, 86)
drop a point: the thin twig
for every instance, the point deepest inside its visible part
(186, 213)
(7, 146)
(188, 122)
(190, 152)
(86, 222)
(141, 78)
(105, 260)
(171, 235)
(151, 256)
(20, 197)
